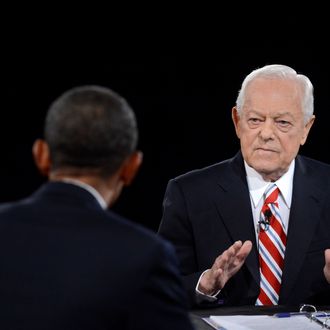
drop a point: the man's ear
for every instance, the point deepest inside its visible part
(236, 118)
(130, 167)
(41, 156)
(307, 128)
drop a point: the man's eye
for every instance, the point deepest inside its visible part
(283, 123)
(254, 120)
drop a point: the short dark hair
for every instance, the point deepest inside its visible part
(90, 127)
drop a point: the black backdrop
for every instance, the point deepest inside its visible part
(182, 94)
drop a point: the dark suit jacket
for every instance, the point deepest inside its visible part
(65, 263)
(207, 210)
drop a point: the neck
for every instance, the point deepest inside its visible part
(273, 176)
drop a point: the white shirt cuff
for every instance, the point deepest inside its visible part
(200, 296)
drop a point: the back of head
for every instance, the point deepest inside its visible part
(278, 71)
(90, 128)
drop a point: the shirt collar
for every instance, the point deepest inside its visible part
(257, 184)
(89, 188)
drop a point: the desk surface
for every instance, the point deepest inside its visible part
(197, 314)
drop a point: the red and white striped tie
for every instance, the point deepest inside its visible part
(272, 242)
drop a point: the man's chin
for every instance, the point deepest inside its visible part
(265, 167)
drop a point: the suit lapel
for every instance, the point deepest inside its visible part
(234, 206)
(304, 217)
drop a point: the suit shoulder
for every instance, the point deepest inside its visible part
(313, 165)
(314, 161)
(316, 172)
(13, 206)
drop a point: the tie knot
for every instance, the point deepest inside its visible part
(271, 194)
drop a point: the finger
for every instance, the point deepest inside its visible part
(326, 268)
(227, 255)
(234, 255)
(234, 249)
(327, 257)
(245, 249)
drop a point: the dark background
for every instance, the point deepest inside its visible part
(181, 83)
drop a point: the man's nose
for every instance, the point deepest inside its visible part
(267, 129)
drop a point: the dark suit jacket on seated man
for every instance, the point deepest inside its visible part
(212, 215)
(66, 261)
